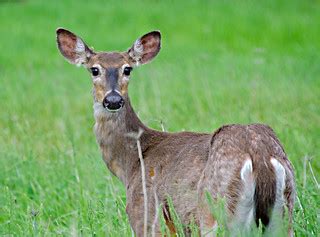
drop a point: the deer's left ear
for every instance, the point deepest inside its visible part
(73, 47)
(145, 48)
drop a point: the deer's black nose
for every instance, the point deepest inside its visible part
(113, 101)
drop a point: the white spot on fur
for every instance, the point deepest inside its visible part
(97, 65)
(97, 79)
(246, 170)
(125, 78)
(124, 65)
(280, 174)
(79, 61)
(98, 111)
(243, 218)
(278, 208)
(109, 91)
(137, 63)
(117, 91)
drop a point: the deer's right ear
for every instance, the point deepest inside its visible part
(73, 47)
(145, 48)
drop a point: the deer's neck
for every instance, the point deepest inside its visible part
(114, 136)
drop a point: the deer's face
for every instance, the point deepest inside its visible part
(110, 71)
(110, 74)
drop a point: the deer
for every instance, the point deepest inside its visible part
(246, 165)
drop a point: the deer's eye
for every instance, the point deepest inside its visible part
(94, 71)
(127, 70)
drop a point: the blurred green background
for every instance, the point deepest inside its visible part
(221, 62)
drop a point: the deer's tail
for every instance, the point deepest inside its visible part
(268, 195)
(263, 185)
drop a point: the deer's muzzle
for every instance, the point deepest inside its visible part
(113, 101)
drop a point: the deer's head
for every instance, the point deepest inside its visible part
(110, 71)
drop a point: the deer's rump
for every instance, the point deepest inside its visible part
(248, 167)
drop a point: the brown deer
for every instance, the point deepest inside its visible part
(244, 164)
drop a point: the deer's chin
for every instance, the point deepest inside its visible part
(113, 111)
(100, 112)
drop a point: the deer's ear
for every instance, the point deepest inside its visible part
(73, 47)
(145, 48)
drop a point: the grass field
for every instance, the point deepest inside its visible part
(221, 62)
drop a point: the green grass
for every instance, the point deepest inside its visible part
(221, 62)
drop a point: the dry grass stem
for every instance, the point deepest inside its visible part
(312, 173)
(305, 171)
(156, 203)
(143, 177)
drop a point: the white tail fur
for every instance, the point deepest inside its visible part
(245, 209)
(277, 212)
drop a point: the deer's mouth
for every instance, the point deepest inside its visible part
(113, 109)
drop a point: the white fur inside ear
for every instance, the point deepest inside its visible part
(80, 47)
(138, 47)
(80, 50)
(136, 51)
